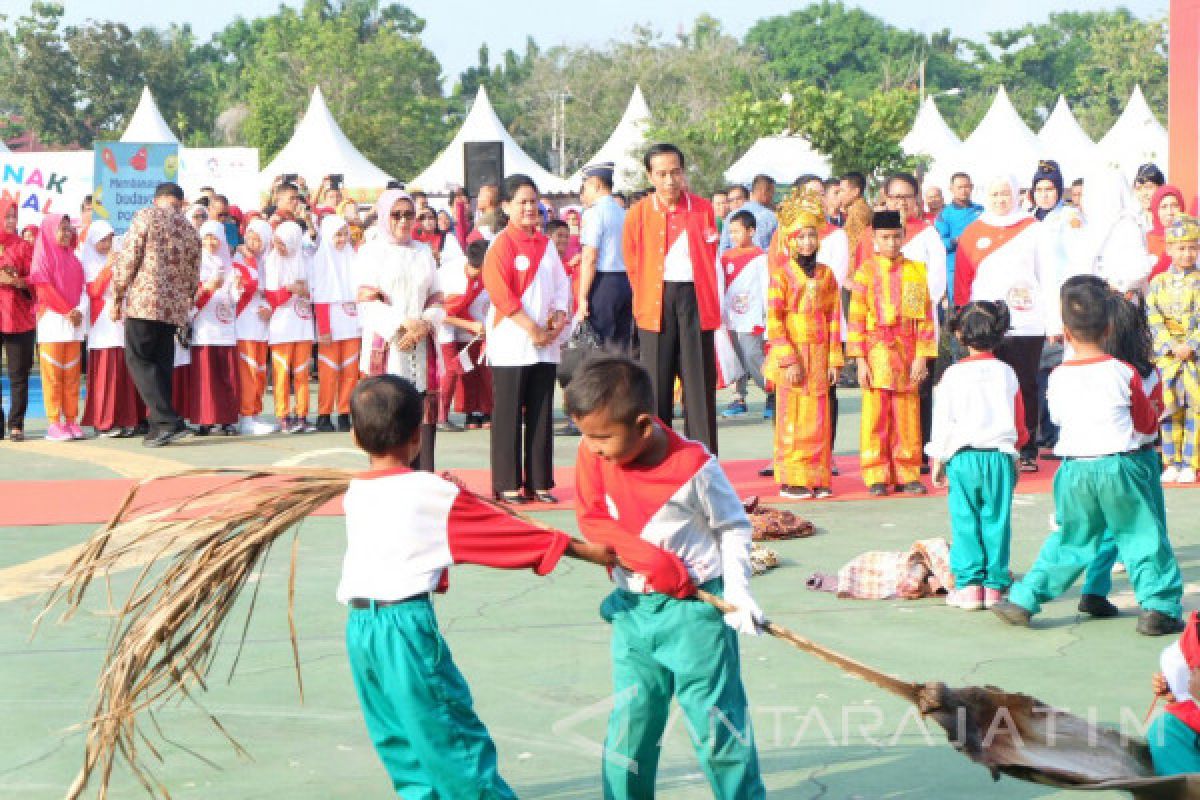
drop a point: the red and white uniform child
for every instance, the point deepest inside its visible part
(252, 326)
(214, 335)
(467, 381)
(287, 282)
(339, 334)
(112, 406)
(744, 280)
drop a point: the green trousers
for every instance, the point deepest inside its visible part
(664, 648)
(980, 497)
(1099, 574)
(1174, 747)
(1114, 494)
(418, 707)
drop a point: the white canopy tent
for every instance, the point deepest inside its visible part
(1135, 138)
(930, 135)
(318, 147)
(147, 123)
(1001, 143)
(784, 157)
(1063, 139)
(624, 147)
(482, 125)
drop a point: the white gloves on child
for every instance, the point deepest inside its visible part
(748, 616)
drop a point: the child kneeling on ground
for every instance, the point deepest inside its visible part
(1102, 485)
(665, 506)
(403, 529)
(978, 428)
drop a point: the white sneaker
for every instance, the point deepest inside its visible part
(1186, 475)
(1171, 474)
(260, 428)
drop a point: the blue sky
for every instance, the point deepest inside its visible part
(454, 30)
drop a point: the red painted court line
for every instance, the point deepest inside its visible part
(91, 502)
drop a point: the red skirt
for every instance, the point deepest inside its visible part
(213, 398)
(112, 398)
(181, 391)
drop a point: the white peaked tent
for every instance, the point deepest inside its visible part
(1001, 143)
(147, 123)
(1135, 138)
(624, 147)
(785, 158)
(319, 148)
(482, 125)
(930, 135)
(1064, 140)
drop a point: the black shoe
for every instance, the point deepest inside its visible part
(1012, 613)
(1098, 606)
(229, 429)
(1156, 623)
(343, 423)
(914, 488)
(767, 472)
(834, 471)
(516, 498)
(127, 433)
(474, 421)
(164, 438)
(142, 429)
(877, 490)
(204, 430)
(324, 424)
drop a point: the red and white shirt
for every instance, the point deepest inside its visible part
(744, 278)
(684, 505)
(1100, 406)
(404, 528)
(1005, 263)
(977, 404)
(522, 272)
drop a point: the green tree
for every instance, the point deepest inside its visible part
(45, 77)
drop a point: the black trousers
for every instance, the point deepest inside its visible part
(682, 350)
(1023, 354)
(150, 357)
(522, 434)
(833, 416)
(610, 310)
(18, 356)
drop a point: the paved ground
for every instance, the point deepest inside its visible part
(536, 654)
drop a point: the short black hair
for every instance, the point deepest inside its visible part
(1077, 182)
(762, 180)
(222, 198)
(514, 183)
(87, 201)
(806, 179)
(902, 177)
(856, 179)
(287, 187)
(981, 325)
(476, 252)
(415, 193)
(1085, 308)
(202, 200)
(615, 383)
(386, 411)
(661, 149)
(746, 218)
(555, 224)
(737, 187)
(168, 189)
(958, 175)
(603, 177)
(1149, 173)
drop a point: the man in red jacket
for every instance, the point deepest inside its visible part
(670, 244)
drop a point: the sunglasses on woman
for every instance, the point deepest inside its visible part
(403, 215)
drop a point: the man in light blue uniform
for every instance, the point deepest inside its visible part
(762, 197)
(605, 297)
(951, 223)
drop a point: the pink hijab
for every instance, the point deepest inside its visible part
(383, 210)
(54, 265)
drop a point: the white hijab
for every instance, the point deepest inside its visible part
(219, 263)
(1015, 215)
(1112, 244)
(262, 229)
(91, 258)
(331, 265)
(284, 270)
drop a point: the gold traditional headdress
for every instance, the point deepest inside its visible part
(1183, 229)
(800, 210)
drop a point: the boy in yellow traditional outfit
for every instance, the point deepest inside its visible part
(804, 329)
(892, 335)
(1173, 311)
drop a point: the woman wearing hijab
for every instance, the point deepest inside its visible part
(530, 297)
(252, 327)
(18, 320)
(213, 377)
(1166, 207)
(1110, 241)
(999, 259)
(286, 282)
(338, 332)
(57, 278)
(112, 406)
(400, 306)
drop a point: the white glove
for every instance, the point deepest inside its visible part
(748, 616)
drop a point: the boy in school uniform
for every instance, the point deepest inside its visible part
(744, 309)
(403, 529)
(665, 506)
(1102, 485)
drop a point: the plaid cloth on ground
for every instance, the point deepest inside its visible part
(923, 571)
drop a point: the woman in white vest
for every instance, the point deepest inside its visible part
(526, 325)
(400, 307)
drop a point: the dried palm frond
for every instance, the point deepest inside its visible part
(166, 631)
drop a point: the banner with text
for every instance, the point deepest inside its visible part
(41, 183)
(125, 176)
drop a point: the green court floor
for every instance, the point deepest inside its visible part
(536, 654)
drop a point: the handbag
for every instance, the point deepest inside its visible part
(582, 344)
